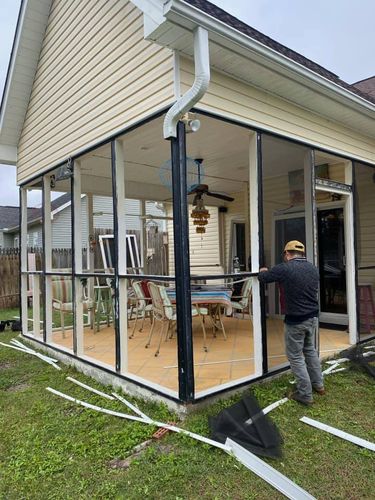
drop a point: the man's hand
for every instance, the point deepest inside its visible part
(263, 269)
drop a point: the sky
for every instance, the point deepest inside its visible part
(337, 34)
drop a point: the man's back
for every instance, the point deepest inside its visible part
(300, 280)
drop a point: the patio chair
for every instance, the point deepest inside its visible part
(62, 300)
(143, 306)
(164, 311)
(244, 304)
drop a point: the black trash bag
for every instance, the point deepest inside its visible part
(16, 326)
(355, 354)
(260, 437)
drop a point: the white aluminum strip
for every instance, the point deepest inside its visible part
(96, 391)
(131, 406)
(267, 409)
(337, 432)
(337, 361)
(332, 367)
(269, 474)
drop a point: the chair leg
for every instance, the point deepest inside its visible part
(143, 320)
(161, 335)
(135, 324)
(62, 324)
(151, 332)
(204, 332)
(222, 326)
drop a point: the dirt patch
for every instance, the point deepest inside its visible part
(18, 387)
(5, 366)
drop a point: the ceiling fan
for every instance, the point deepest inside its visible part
(202, 189)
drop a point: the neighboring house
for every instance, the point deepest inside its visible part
(61, 220)
(101, 94)
(10, 218)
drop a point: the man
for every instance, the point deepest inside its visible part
(300, 281)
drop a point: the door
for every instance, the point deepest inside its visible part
(331, 260)
(332, 265)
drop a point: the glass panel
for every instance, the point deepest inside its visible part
(365, 232)
(219, 242)
(148, 224)
(35, 299)
(34, 226)
(329, 167)
(283, 220)
(332, 261)
(62, 311)
(61, 219)
(97, 211)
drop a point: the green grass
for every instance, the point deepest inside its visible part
(51, 448)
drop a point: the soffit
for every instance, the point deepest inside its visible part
(27, 45)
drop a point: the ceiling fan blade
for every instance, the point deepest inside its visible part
(221, 196)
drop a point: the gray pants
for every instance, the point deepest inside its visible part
(302, 356)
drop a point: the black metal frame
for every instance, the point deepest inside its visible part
(182, 278)
(116, 319)
(182, 267)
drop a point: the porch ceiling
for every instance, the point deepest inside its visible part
(223, 147)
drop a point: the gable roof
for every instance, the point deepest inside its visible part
(366, 86)
(185, 15)
(9, 216)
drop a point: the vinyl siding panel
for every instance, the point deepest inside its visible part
(96, 75)
(366, 225)
(204, 249)
(236, 100)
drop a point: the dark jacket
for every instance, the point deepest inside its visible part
(300, 280)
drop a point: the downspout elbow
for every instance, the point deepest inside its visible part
(199, 87)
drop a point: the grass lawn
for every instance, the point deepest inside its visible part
(51, 448)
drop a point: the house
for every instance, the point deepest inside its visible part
(244, 142)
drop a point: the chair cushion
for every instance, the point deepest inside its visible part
(202, 310)
(146, 291)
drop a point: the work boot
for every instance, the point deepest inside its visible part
(319, 390)
(296, 397)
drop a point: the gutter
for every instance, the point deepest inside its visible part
(188, 16)
(199, 87)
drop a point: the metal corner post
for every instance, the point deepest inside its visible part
(182, 266)
(116, 255)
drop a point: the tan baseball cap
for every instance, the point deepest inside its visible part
(294, 246)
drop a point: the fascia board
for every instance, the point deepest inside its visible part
(188, 17)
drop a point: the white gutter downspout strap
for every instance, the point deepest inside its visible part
(200, 85)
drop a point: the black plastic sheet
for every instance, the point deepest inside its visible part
(260, 437)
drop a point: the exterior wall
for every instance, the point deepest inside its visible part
(204, 251)
(238, 211)
(96, 75)
(239, 101)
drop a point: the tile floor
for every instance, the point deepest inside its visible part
(225, 361)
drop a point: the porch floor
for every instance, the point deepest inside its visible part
(225, 361)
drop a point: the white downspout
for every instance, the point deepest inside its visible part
(199, 87)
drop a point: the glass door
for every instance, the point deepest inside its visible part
(332, 265)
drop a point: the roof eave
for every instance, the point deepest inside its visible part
(188, 17)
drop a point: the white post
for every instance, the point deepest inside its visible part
(144, 238)
(23, 257)
(47, 255)
(77, 256)
(122, 264)
(254, 244)
(350, 257)
(36, 304)
(90, 214)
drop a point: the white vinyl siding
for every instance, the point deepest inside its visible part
(96, 75)
(236, 100)
(204, 249)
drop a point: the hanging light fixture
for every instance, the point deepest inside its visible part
(200, 216)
